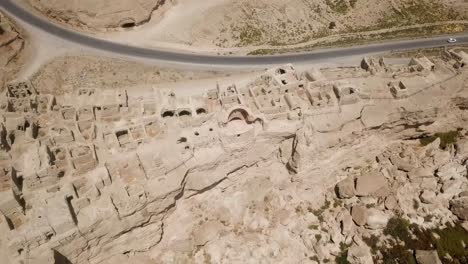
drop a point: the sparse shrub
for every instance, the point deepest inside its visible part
(449, 241)
(318, 237)
(314, 258)
(372, 242)
(337, 203)
(250, 35)
(398, 228)
(446, 138)
(339, 6)
(342, 258)
(398, 254)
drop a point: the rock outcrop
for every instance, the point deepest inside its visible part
(12, 44)
(101, 15)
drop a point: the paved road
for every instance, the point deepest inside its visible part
(175, 57)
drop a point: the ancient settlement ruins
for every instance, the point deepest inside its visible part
(97, 176)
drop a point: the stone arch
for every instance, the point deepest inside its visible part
(201, 111)
(185, 113)
(167, 113)
(243, 115)
(238, 114)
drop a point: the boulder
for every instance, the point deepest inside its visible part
(401, 164)
(345, 188)
(359, 214)
(391, 202)
(347, 225)
(427, 257)
(359, 255)
(428, 197)
(419, 174)
(376, 219)
(370, 184)
(451, 170)
(459, 207)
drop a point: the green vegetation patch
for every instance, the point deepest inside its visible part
(446, 138)
(450, 243)
(342, 258)
(250, 35)
(371, 38)
(406, 238)
(339, 6)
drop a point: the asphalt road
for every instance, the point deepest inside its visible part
(178, 57)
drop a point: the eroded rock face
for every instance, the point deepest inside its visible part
(11, 46)
(108, 14)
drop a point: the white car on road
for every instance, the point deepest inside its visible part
(452, 40)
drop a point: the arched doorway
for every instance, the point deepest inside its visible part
(239, 114)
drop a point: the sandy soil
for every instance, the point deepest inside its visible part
(65, 74)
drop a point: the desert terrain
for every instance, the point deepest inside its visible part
(106, 159)
(12, 46)
(258, 27)
(100, 15)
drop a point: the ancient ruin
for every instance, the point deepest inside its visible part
(116, 176)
